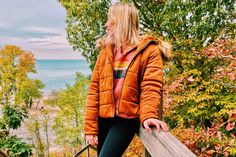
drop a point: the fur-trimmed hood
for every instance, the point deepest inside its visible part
(165, 47)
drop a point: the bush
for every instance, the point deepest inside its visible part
(218, 140)
(16, 146)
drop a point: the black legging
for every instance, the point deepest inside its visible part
(115, 135)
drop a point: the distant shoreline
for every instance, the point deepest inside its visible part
(55, 74)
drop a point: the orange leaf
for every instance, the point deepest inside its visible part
(191, 79)
(233, 116)
(210, 152)
(216, 146)
(230, 126)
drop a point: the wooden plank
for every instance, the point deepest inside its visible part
(88, 153)
(154, 147)
(146, 153)
(3, 154)
(85, 148)
(93, 147)
(173, 144)
(162, 143)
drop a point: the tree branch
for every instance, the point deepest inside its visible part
(136, 4)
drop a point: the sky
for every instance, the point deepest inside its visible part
(37, 26)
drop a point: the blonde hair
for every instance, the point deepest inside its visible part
(126, 24)
(126, 29)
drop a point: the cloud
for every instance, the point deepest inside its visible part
(47, 13)
(37, 26)
(43, 42)
(24, 34)
(45, 48)
(58, 55)
(45, 29)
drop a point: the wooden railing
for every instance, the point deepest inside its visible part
(85, 148)
(163, 144)
(157, 144)
(3, 153)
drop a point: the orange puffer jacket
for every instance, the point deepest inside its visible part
(141, 91)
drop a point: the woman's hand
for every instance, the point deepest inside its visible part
(154, 122)
(92, 139)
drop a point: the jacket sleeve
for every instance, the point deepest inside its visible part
(151, 86)
(91, 108)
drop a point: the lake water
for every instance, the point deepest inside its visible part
(55, 74)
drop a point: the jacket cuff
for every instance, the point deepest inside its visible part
(90, 133)
(90, 127)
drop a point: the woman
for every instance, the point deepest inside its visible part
(125, 87)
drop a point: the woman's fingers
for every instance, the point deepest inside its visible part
(146, 126)
(93, 142)
(92, 139)
(89, 139)
(157, 123)
(164, 126)
(161, 124)
(96, 139)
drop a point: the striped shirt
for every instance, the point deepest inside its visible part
(121, 63)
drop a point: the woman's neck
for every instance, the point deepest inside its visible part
(124, 49)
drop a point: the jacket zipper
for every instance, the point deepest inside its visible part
(125, 76)
(113, 89)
